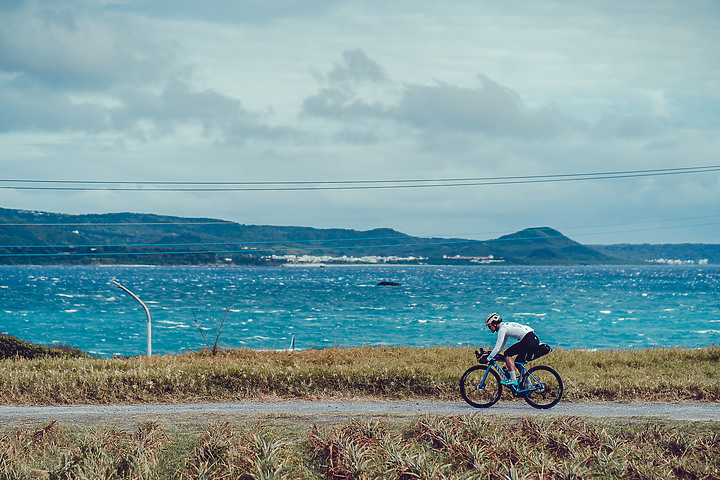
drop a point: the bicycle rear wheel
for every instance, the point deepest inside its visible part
(479, 389)
(546, 384)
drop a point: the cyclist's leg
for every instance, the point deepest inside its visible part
(528, 344)
(512, 375)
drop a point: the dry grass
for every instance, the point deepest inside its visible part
(101, 453)
(431, 447)
(661, 374)
(382, 372)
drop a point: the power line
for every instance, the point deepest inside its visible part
(468, 216)
(331, 240)
(649, 229)
(200, 244)
(244, 251)
(115, 224)
(174, 186)
(440, 242)
(266, 250)
(621, 224)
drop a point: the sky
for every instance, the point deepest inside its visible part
(464, 118)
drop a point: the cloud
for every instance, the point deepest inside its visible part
(338, 104)
(175, 105)
(37, 109)
(84, 70)
(488, 108)
(356, 67)
(351, 92)
(628, 126)
(221, 11)
(66, 49)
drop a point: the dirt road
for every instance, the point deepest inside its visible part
(338, 411)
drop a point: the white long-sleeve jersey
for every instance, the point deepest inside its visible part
(507, 330)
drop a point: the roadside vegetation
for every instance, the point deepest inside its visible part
(648, 375)
(429, 447)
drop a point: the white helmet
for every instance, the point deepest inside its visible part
(492, 318)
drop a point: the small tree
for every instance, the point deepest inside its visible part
(214, 348)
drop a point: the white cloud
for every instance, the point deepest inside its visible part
(67, 49)
(489, 109)
(356, 67)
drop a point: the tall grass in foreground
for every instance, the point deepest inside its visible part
(431, 447)
(382, 372)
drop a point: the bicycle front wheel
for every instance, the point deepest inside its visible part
(480, 386)
(546, 387)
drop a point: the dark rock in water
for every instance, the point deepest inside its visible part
(389, 284)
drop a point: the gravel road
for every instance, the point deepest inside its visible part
(339, 411)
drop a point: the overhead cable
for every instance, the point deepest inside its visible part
(246, 251)
(328, 240)
(196, 186)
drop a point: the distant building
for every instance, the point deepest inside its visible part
(665, 261)
(322, 259)
(488, 259)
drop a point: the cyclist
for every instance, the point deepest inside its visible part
(528, 343)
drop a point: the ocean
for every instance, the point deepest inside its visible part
(586, 307)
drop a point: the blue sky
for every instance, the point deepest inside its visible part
(337, 91)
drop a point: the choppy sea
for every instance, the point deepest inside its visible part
(311, 307)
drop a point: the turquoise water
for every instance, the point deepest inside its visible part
(574, 307)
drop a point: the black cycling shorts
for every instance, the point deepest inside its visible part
(528, 344)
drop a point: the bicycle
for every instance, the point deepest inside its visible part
(540, 386)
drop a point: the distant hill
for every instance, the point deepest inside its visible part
(30, 237)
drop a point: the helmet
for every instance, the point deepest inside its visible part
(492, 318)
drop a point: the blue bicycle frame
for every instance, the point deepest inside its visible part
(521, 370)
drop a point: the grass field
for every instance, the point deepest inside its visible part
(430, 447)
(653, 375)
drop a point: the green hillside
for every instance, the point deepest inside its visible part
(29, 237)
(12, 347)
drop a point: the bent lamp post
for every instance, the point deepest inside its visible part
(147, 312)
